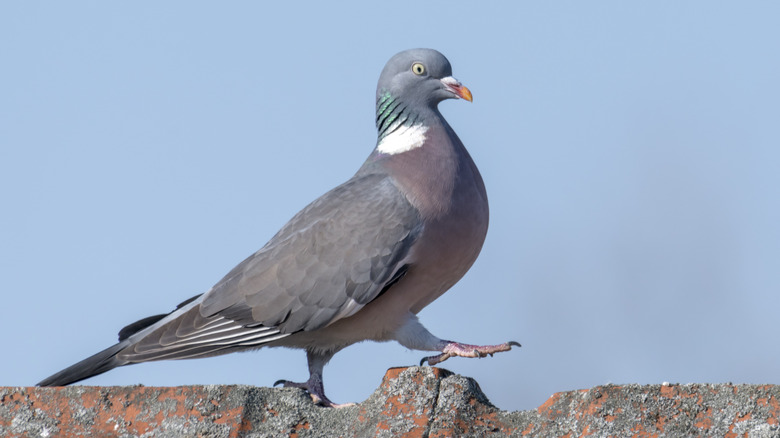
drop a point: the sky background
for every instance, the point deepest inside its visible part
(631, 152)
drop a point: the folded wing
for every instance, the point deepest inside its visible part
(335, 256)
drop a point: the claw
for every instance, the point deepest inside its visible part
(314, 388)
(513, 344)
(432, 360)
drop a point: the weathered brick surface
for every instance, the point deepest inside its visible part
(692, 410)
(413, 402)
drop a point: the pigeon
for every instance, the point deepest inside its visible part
(356, 264)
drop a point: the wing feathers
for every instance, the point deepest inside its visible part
(331, 259)
(190, 334)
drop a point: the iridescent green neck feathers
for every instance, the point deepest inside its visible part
(398, 129)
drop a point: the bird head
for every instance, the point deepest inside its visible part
(420, 78)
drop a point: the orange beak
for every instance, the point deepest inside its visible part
(464, 93)
(457, 88)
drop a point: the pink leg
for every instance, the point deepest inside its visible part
(451, 349)
(413, 335)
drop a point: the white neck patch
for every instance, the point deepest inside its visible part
(403, 139)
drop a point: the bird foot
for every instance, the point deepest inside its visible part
(453, 349)
(316, 392)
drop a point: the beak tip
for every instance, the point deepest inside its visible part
(465, 93)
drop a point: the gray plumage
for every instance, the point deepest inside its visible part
(356, 264)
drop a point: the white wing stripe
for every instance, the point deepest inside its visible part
(233, 327)
(240, 334)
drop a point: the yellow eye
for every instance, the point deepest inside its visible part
(418, 68)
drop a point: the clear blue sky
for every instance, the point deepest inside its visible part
(631, 152)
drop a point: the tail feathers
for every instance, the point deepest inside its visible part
(91, 366)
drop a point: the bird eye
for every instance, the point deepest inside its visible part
(418, 68)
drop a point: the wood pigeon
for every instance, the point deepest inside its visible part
(356, 264)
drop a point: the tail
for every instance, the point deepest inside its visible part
(91, 366)
(106, 360)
